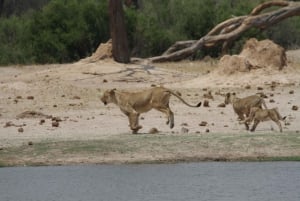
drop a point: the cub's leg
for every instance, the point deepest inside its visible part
(277, 122)
(256, 122)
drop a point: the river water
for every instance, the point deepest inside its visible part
(238, 181)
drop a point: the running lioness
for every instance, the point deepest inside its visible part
(132, 104)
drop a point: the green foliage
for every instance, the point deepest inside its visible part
(63, 31)
(68, 30)
(13, 47)
(286, 33)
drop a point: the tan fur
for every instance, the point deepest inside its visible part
(133, 104)
(258, 114)
(242, 106)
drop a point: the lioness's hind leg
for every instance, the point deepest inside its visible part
(278, 123)
(169, 114)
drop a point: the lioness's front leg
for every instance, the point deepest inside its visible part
(133, 118)
(134, 122)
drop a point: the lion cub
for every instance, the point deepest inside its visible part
(258, 114)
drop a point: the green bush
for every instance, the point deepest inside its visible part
(13, 46)
(67, 31)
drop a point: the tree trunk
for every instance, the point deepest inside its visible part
(1, 7)
(227, 31)
(120, 49)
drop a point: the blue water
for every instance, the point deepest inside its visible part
(266, 181)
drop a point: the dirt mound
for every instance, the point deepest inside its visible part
(104, 51)
(255, 54)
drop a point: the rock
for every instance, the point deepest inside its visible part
(295, 107)
(260, 88)
(42, 121)
(203, 123)
(153, 131)
(222, 105)
(20, 130)
(55, 124)
(76, 97)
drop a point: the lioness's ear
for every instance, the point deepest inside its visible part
(112, 91)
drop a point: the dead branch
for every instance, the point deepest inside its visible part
(227, 31)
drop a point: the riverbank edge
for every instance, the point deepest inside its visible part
(156, 149)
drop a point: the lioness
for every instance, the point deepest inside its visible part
(242, 106)
(258, 114)
(132, 104)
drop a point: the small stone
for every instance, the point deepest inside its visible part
(222, 105)
(153, 131)
(295, 107)
(20, 130)
(30, 143)
(76, 97)
(260, 88)
(203, 123)
(248, 87)
(30, 97)
(55, 124)
(291, 92)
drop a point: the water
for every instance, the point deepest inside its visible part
(267, 181)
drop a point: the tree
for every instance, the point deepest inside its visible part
(226, 32)
(1, 6)
(120, 49)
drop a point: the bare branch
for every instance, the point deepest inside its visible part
(227, 31)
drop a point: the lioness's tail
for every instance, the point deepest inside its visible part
(179, 97)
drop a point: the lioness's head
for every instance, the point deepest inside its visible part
(108, 96)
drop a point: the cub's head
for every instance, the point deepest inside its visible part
(229, 97)
(108, 96)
